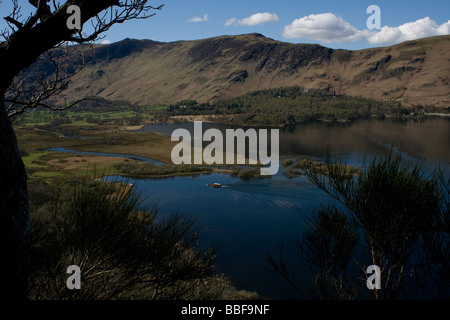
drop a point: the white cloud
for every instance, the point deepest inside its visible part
(259, 18)
(421, 28)
(254, 20)
(327, 27)
(230, 21)
(105, 41)
(199, 19)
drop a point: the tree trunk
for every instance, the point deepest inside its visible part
(14, 215)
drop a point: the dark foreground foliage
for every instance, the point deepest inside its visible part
(394, 214)
(123, 252)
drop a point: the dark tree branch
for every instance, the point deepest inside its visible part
(26, 92)
(14, 22)
(26, 44)
(130, 11)
(32, 88)
(26, 106)
(13, 19)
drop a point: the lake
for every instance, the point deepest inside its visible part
(247, 220)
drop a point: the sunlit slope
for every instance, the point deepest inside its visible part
(147, 72)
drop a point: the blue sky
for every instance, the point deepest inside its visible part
(336, 24)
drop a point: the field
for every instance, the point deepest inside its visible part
(111, 133)
(35, 138)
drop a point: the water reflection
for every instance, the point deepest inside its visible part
(428, 140)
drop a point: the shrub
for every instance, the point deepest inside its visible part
(401, 214)
(248, 173)
(287, 163)
(137, 170)
(123, 252)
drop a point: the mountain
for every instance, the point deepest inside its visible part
(147, 72)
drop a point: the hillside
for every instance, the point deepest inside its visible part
(147, 72)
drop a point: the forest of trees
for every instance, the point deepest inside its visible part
(289, 105)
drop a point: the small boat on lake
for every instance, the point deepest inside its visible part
(215, 185)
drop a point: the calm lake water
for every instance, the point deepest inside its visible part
(247, 220)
